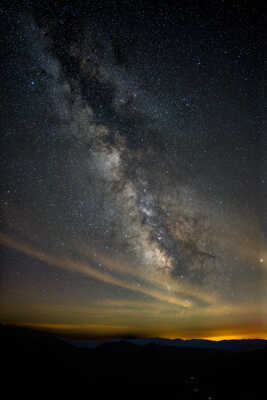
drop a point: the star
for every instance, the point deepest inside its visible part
(132, 169)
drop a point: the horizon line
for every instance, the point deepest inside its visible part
(94, 336)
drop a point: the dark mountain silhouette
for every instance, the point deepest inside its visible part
(38, 361)
(227, 345)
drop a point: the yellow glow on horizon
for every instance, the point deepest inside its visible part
(102, 329)
(165, 311)
(109, 330)
(237, 337)
(217, 338)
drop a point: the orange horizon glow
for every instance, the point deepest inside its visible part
(116, 331)
(165, 311)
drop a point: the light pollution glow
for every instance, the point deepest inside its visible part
(170, 310)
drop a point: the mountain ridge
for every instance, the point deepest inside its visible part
(230, 345)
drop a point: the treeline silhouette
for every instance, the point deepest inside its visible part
(38, 360)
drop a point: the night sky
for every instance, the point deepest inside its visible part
(133, 169)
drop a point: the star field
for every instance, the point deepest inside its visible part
(133, 151)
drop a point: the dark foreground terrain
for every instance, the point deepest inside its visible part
(37, 362)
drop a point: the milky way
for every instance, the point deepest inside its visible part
(124, 173)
